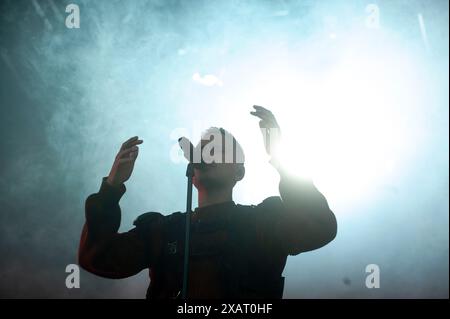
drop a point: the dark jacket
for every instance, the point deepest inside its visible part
(236, 251)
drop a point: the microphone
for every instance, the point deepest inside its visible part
(188, 152)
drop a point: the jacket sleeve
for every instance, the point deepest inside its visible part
(300, 219)
(107, 253)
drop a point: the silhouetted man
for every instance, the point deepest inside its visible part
(236, 251)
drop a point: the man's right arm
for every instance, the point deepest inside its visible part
(107, 253)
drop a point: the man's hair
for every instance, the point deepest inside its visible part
(229, 143)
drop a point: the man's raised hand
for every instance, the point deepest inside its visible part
(124, 162)
(269, 128)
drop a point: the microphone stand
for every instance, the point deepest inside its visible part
(189, 175)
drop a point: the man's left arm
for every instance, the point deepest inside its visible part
(305, 221)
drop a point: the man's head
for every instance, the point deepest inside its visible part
(222, 160)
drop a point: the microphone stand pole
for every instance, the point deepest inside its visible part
(189, 175)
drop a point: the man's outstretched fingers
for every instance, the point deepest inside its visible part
(260, 108)
(130, 142)
(267, 118)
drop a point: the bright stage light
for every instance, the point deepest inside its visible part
(341, 125)
(345, 134)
